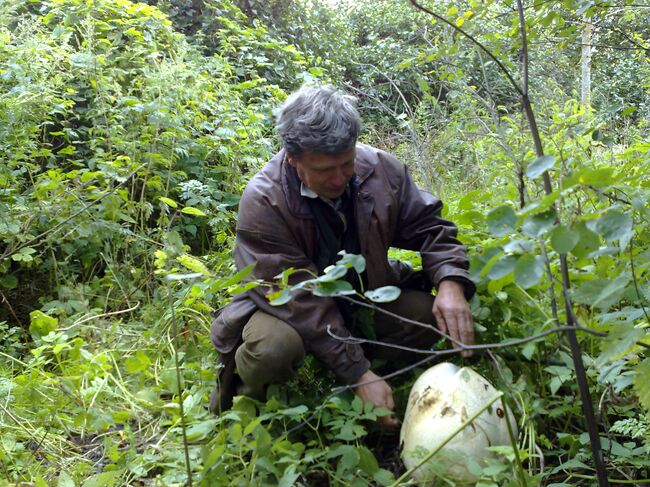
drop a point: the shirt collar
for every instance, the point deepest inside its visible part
(309, 193)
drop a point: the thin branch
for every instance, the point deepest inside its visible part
(474, 40)
(112, 313)
(462, 347)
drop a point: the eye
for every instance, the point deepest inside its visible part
(500, 413)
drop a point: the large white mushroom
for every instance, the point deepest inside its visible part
(441, 400)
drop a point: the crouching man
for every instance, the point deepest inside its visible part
(323, 193)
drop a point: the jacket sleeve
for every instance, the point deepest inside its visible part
(264, 238)
(423, 229)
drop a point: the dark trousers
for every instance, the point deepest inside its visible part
(272, 350)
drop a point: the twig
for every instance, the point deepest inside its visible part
(462, 347)
(89, 318)
(11, 309)
(474, 40)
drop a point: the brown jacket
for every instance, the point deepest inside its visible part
(276, 231)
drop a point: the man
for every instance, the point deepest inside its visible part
(321, 194)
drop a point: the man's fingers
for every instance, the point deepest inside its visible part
(467, 329)
(452, 325)
(440, 321)
(390, 404)
(389, 421)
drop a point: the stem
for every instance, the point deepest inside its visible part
(179, 385)
(469, 420)
(576, 354)
(581, 378)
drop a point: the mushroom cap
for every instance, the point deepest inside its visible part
(440, 401)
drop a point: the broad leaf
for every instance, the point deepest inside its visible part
(642, 384)
(333, 273)
(587, 243)
(384, 294)
(501, 220)
(563, 240)
(529, 270)
(169, 202)
(278, 298)
(41, 324)
(503, 267)
(613, 226)
(539, 223)
(333, 289)
(539, 166)
(355, 260)
(190, 210)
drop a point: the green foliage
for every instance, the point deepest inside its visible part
(127, 131)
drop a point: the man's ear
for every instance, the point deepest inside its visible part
(291, 160)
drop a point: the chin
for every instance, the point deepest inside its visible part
(335, 194)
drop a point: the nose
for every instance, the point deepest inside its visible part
(339, 179)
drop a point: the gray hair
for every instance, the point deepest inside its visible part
(319, 119)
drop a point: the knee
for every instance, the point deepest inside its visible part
(270, 346)
(282, 349)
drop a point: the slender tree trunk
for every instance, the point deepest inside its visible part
(585, 84)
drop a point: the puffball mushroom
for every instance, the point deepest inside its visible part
(441, 400)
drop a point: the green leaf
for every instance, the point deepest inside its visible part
(539, 223)
(367, 461)
(201, 430)
(193, 264)
(278, 298)
(333, 273)
(520, 246)
(642, 384)
(169, 202)
(333, 289)
(41, 324)
(289, 477)
(190, 210)
(612, 226)
(529, 270)
(384, 477)
(503, 267)
(356, 261)
(620, 341)
(563, 240)
(137, 363)
(105, 479)
(384, 294)
(587, 243)
(65, 480)
(349, 457)
(603, 293)
(539, 166)
(501, 220)
(8, 281)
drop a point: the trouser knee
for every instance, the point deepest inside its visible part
(271, 352)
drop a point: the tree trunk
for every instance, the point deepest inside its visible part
(585, 97)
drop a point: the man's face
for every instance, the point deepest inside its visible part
(325, 174)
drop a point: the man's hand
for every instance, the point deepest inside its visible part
(452, 313)
(379, 393)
